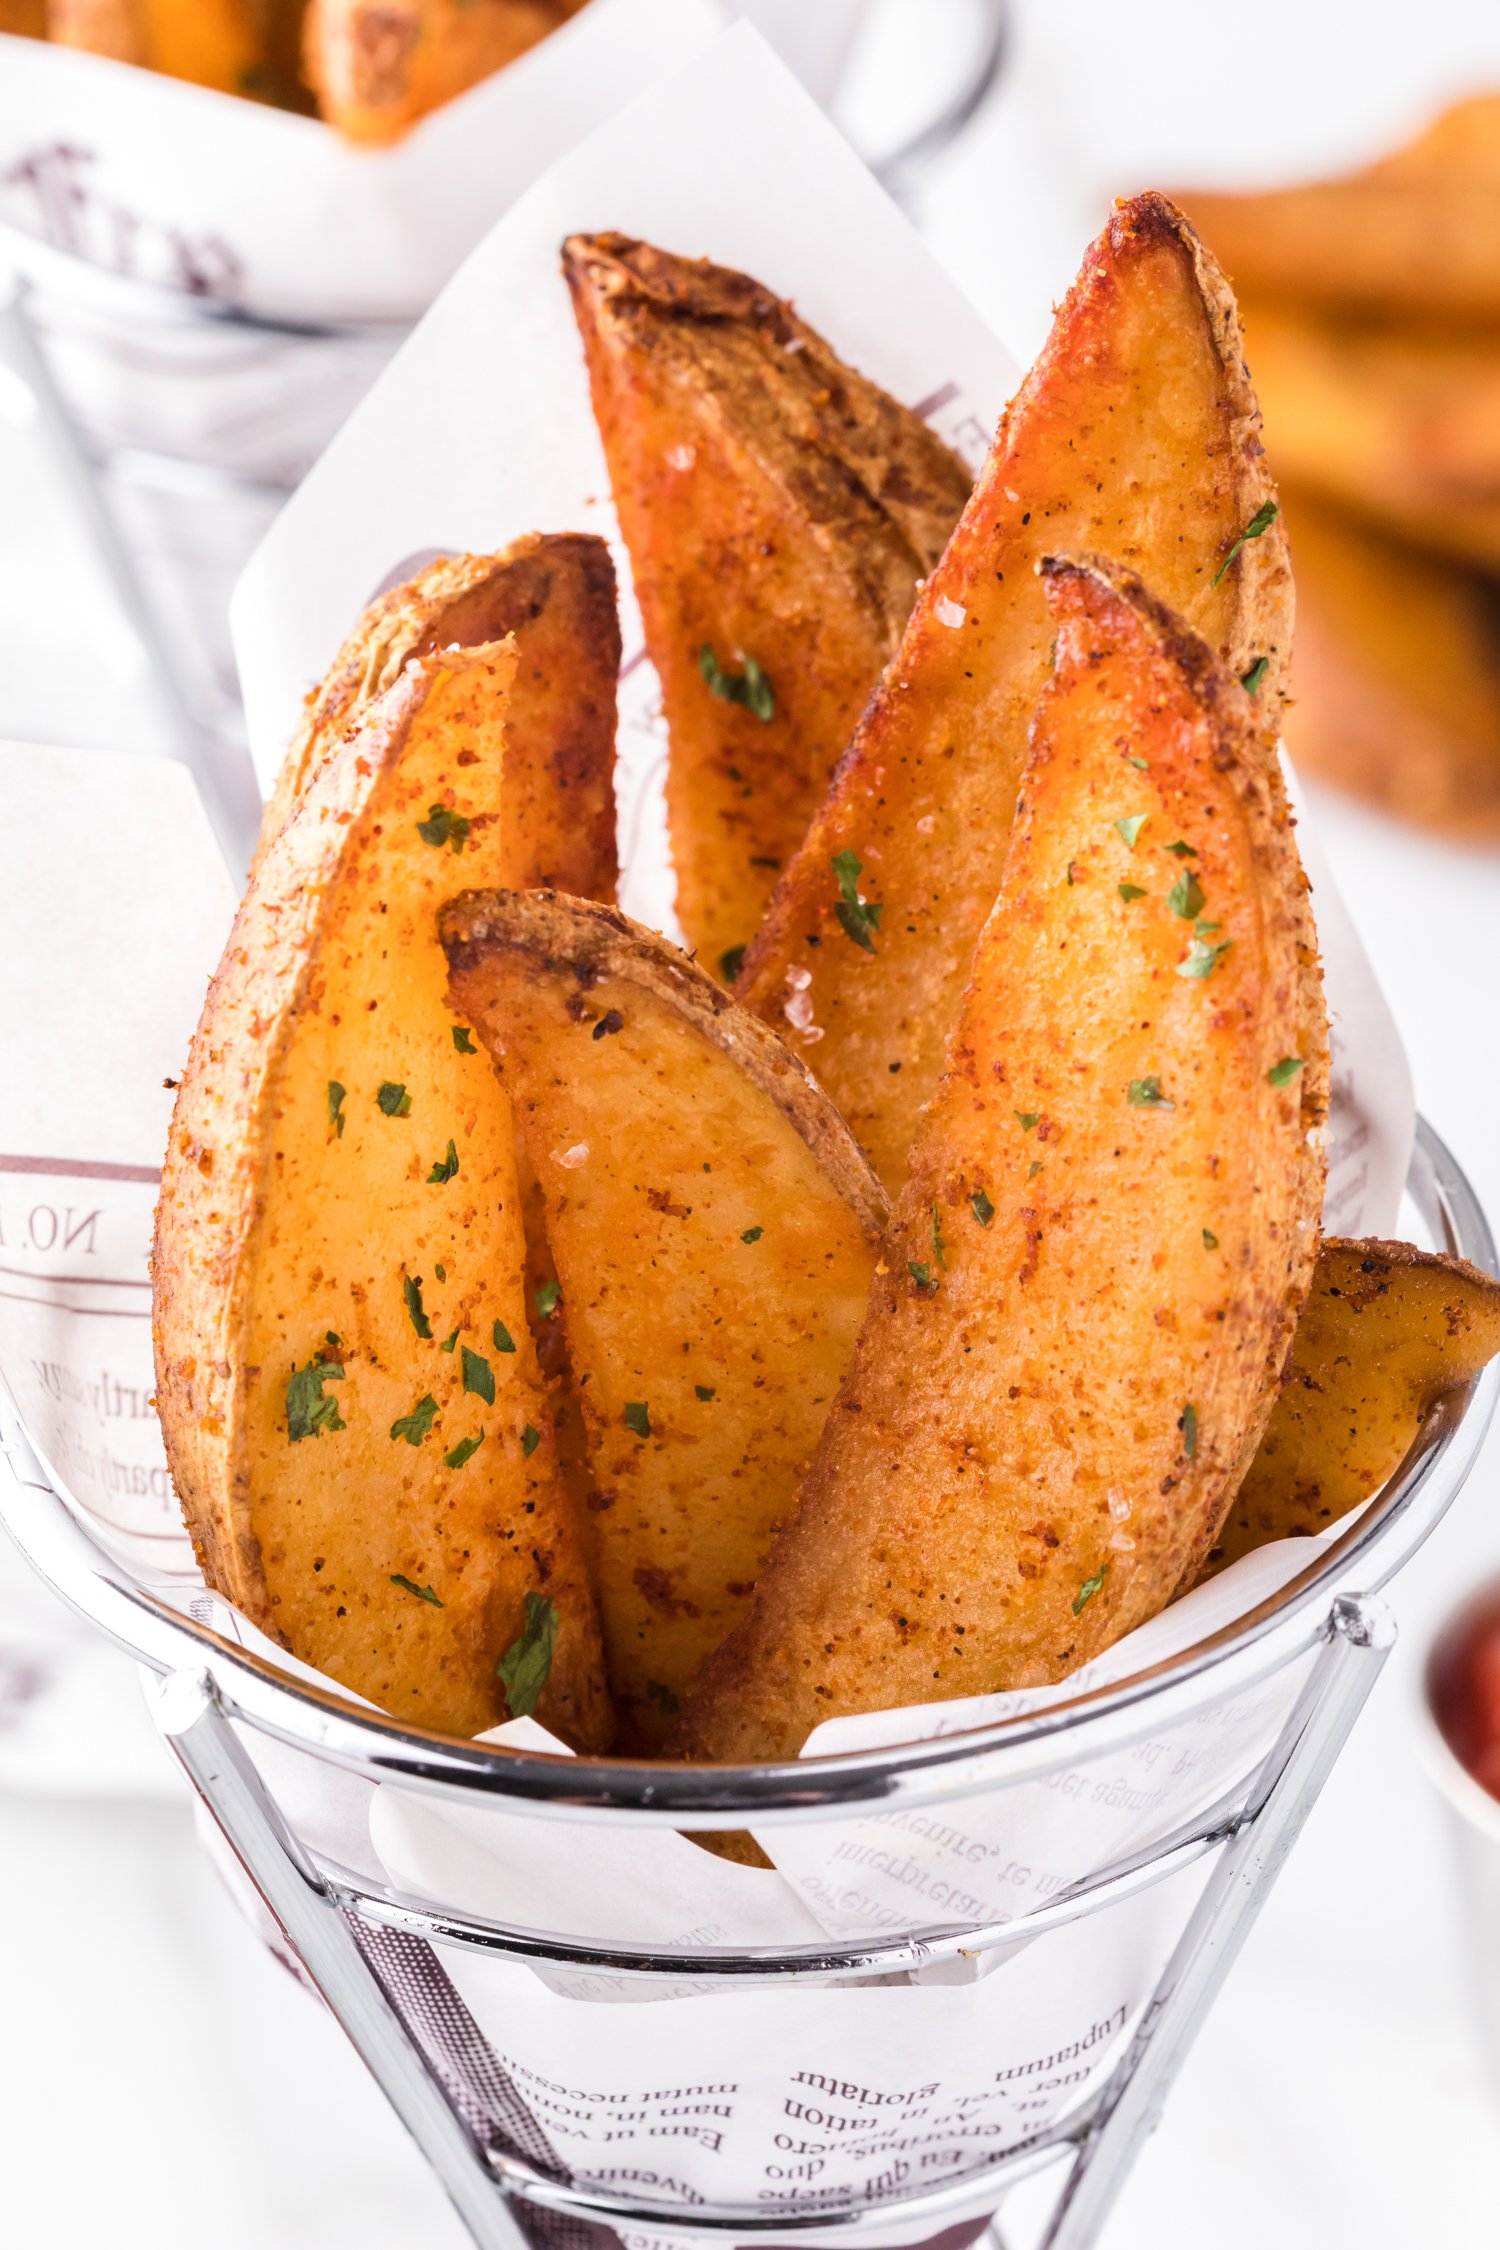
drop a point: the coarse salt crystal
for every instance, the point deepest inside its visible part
(950, 612)
(799, 1011)
(926, 824)
(571, 1158)
(798, 978)
(681, 456)
(1121, 1542)
(1011, 495)
(1119, 1506)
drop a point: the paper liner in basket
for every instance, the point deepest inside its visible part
(778, 2097)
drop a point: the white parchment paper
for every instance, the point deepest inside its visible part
(479, 431)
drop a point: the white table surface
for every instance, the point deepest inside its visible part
(163, 2083)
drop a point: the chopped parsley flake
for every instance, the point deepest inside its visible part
(1128, 891)
(1035, 1168)
(1072, 873)
(1201, 958)
(1146, 1093)
(1131, 828)
(663, 1696)
(336, 1094)
(1089, 1588)
(1210, 1240)
(416, 1425)
(1139, 764)
(750, 688)
(1251, 680)
(638, 1417)
(705, 1391)
(731, 963)
(548, 1298)
(984, 1210)
(448, 1342)
(465, 1449)
(462, 1041)
(393, 1100)
(1187, 1422)
(1180, 850)
(308, 1412)
(441, 1272)
(752, 1234)
(937, 1240)
(1028, 1119)
(530, 1440)
(1282, 1073)
(410, 1586)
(857, 919)
(443, 826)
(502, 1337)
(411, 1290)
(922, 1274)
(1186, 897)
(1262, 520)
(526, 1663)
(479, 1376)
(444, 1170)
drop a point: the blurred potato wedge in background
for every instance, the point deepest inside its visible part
(24, 19)
(353, 1413)
(1386, 1332)
(1397, 673)
(1136, 435)
(377, 66)
(1093, 1271)
(780, 511)
(555, 592)
(714, 1228)
(217, 43)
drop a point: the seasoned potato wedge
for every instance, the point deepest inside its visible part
(117, 28)
(1400, 427)
(1387, 1330)
(1136, 434)
(715, 1230)
(24, 19)
(1397, 674)
(1092, 1272)
(780, 511)
(1418, 233)
(378, 65)
(556, 593)
(347, 1386)
(218, 43)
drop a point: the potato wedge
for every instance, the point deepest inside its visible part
(1418, 233)
(1399, 427)
(24, 19)
(556, 593)
(376, 66)
(715, 1229)
(1397, 674)
(1092, 1272)
(780, 512)
(117, 28)
(1386, 1332)
(350, 1399)
(1136, 434)
(217, 43)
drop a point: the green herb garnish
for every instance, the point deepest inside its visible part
(1210, 1241)
(443, 826)
(410, 1586)
(1089, 1588)
(937, 1240)
(1128, 891)
(705, 1391)
(548, 1297)
(448, 1342)
(1201, 958)
(1251, 680)
(1146, 1093)
(444, 1170)
(463, 1451)
(1186, 896)
(857, 919)
(663, 1696)
(752, 1234)
(308, 1412)
(983, 1209)
(530, 1440)
(416, 1425)
(462, 1041)
(502, 1337)
(411, 1290)
(1187, 1422)
(1131, 828)
(479, 1376)
(1282, 1073)
(1180, 850)
(393, 1100)
(336, 1094)
(638, 1417)
(750, 688)
(1262, 520)
(1028, 1119)
(731, 963)
(923, 1276)
(526, 1663)
(1139, 763)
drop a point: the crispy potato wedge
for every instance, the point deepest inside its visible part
(1397, 674)
(1093, 1270)
(218, 43)
(350, 1398)
(24, 19)
(556, 593)
(780, 512)
(1386, 1332)
(1401, 427)
(117, 28)
(1418, 233)
(376, 66)
(715, 1229)
(1136, 434)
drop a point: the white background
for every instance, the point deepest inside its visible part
(162, 2083)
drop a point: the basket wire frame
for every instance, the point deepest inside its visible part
(341, 1928)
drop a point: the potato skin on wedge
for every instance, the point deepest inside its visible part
(555, 591)
(715, 1229)
(348, 1391)
(379, 65)
(1109, 1227)
(1386, 1332)
(780, 511)
(1135, 435)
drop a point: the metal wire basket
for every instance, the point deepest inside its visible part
(373, 1951)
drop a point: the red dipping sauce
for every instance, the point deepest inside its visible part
(1463, 1682)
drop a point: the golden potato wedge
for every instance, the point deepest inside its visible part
(1397, 674)
(556, 593)
(117, 28)
(350, 1398)
(1387, 1330)
(1416, 234)
(1092, 1273)
(780, 512)
(24, 19)
(1400, 427)
(376, 66)
(1136, 434)
(715, 1229)
(218, 43)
